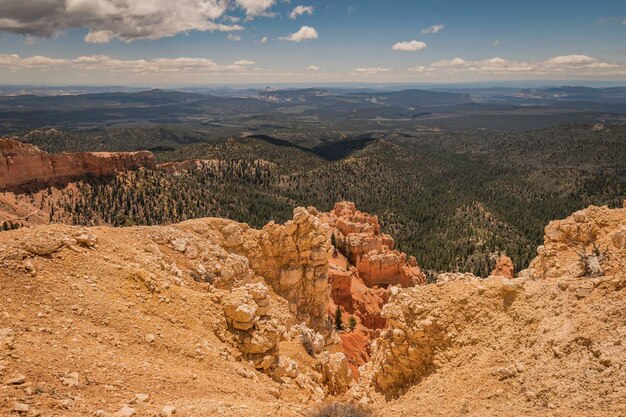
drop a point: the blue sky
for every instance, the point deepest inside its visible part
(252, 41)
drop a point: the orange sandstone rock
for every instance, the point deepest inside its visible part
(23, 165)
(504, 267)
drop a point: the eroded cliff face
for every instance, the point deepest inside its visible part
(359, 237)
(208, 302)
(293, 259)
(23, 165)
(590, 239)
(549, 342)
(363, 266)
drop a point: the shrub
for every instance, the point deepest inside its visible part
(342, 410)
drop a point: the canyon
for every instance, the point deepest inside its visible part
(213, 317)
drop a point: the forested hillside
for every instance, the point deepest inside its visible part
(455, 200)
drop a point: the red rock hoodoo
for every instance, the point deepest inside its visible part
(362, 267)
(504, 267)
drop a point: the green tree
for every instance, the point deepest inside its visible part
(352, 323)
(338, 319)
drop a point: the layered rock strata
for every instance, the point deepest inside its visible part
(23, 165)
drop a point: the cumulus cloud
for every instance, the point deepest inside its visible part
(570, 64)
(570, 60)
(409, 46)
(233, 37)
(263, 39)
(127, 20)
(449, 63)
(433, 29)
(109, 64)
(255, 7)
(419, 68)
(305, 33)
(300, 10)
(371, 70)
(313, 68)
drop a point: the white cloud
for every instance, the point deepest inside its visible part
(127, 20)
(410, 46)
(255, 7)
(100, 36)
(109, 64)
(496, 42)
(313, 68)
(304, 34)
(624, 22)
(419, 68)
(263, 39)
(433, 29)
(371, 70)
(300, 10)
(570, 60)
(449, 63)
(233, 37)
(570, 64)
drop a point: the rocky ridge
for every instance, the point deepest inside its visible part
(547, 343)
(23, 165)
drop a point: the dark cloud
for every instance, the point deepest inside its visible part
(124, 19)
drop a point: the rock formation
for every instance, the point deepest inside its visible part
(362, 266)
(23, 165)
(594, 237)
(549, 340)
(358, 236)
(293, 259)
(256, 323)
(504, 267)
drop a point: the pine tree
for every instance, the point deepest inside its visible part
(352, 323)
(338, 319)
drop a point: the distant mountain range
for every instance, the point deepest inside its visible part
(225, 112)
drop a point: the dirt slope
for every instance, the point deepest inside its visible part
(114, 314)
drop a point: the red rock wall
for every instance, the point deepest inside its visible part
(23, 165)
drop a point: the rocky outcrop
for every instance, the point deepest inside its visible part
(362, 267)
(463, 334)
(590, 242)
(385, 267)
(23, 165)
(349, 292)
(358, 236)
(539, 340)
(504, 267)
(256, 325)
(196, 274)
(337, 375)
(293, 259)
